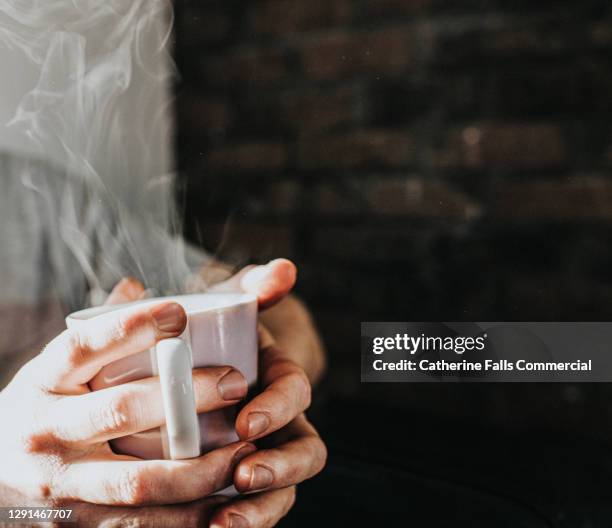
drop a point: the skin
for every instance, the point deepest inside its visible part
(59, 453)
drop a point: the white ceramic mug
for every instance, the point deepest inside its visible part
(221, 330)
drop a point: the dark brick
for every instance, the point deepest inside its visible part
(564, 201)
(541, 294)
(199, 114)
(284, 17)
(389, 148)
(319, 110)
(394, 8)
(572, 90)
(390, 101)
(345, 53)
(410, 197)
(519, 145)
(493, 38)
(196, 27)
(338, 287)
(238, 241)
(526, 40)
(259, 66)
(365, 243)
(600, 34)
(608, 155)
(259, 112)
(248, 156)
(406, 118)
(273, 198)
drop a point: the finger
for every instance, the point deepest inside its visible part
(125, 481)
(287, 394)
(263, 510)
(137, 406)
(77, 355)
(190, 515)
(299, 459)
(269, 283)
(126, 290)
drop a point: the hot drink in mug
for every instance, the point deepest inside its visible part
(221, 330)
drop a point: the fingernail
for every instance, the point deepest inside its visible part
(258, 423)
(261, 478)
(244, 451)
(237, 521)
(232, 386)
(169, 317)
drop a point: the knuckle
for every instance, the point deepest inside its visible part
(289, 472)
(282, 466)
(252, 513)
(217, 475)
(125, 325)
(283, 404)
(116, 416)
(119, 329)
(33, 444)
(131, 488)
(300, 381)
(131, 323)
(41, 443)
(77, 351)
(277, 366)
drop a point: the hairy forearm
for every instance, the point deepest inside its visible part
(294, 330)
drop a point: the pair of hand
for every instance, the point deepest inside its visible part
(55, 445)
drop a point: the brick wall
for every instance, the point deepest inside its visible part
(418, 159)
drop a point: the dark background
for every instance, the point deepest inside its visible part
(419, 160)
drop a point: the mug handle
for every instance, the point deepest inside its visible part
(175, 377)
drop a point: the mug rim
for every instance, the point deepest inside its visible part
(87, 314)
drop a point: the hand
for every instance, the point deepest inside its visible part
(85, 514)
(54, 446)
(292, 449)
(269, 283)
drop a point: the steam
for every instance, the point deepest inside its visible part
(98, 123)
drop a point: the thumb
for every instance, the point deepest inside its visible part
(269, 283)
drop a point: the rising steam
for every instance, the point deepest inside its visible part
(98, 124)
